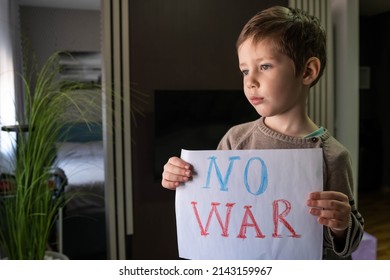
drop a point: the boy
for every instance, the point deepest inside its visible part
(282, 54)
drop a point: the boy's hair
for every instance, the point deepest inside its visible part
(296, 33)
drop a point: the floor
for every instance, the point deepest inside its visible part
(375, 206)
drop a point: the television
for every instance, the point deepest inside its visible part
(195, 120)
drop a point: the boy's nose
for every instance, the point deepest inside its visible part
(252, 82)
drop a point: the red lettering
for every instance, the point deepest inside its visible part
(281, 218)
(248, 220)
(245, 224)
(224, 227)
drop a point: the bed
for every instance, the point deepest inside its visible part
(83, 164)
(80, 156)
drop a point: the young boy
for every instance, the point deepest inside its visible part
(282, 54)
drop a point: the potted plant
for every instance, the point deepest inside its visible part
(29, 203)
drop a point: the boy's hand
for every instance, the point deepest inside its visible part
(332, 210)
(176, 171)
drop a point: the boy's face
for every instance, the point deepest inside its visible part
(269, 79)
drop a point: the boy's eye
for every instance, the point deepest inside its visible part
(265, 67)
(244, 72)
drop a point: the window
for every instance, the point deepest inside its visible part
(7, 87)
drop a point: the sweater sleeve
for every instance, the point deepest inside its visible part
(339, 178)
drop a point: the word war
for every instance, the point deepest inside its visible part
(248, 220)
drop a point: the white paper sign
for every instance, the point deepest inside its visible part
(250, 204)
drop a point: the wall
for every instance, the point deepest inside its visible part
(50, 29)
(183, 45)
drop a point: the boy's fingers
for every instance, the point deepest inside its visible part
(333, 224)
(169, 184)
(175, 161)
(174, 177)
(171, 170)
(328, 204)
(329, 195)
(172, 181)
(328, 214)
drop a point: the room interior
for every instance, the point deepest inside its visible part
(162, 68)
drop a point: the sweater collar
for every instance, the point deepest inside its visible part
(292, 139)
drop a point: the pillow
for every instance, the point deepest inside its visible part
(79, 149)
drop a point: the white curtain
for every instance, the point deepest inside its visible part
(321, 101)
(7, 85)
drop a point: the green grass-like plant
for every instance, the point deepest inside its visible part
(28, 211)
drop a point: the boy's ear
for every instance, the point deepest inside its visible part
(312, 70)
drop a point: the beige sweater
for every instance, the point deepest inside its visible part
(337, 172)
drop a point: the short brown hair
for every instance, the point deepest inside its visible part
(297, 34)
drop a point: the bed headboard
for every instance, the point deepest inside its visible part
(81, 132)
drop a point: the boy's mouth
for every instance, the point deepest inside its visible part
(256, 100)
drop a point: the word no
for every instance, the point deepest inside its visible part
(224, 181)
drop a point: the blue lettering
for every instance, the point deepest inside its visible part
(222, 182)
(264, 177)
